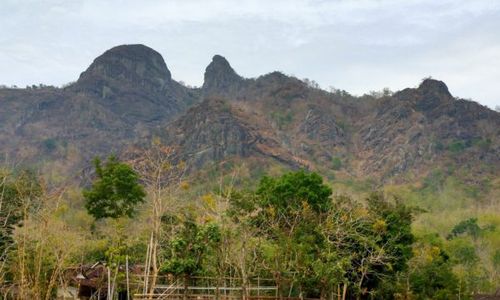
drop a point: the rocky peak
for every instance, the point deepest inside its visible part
(432, 86)
(429, 95)
(138, 65)
(134, 82)
(220, 76)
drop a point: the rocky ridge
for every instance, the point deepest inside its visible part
(127, 95)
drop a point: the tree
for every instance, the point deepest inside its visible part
(19, 193)
(187, 250)
(288, 212)
(115, 192)
(389, 242)
(468, 226)
(40, 252)
(314, 245)
(396, 230)
(291, 191)
(373, 241)
(430, 274)
(162, 174)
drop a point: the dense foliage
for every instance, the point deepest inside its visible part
(291, 229)
(115, 192)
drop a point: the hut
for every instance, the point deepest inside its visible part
(495, 296)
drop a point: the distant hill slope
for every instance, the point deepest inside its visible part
(128, 95)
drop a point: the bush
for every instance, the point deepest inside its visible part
(336, 163)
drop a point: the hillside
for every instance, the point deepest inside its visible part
(128, 95)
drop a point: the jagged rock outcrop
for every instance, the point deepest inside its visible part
(215, 131)
(322, 128)
(220, 78)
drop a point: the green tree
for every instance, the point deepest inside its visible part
(186, 251)
(288, 212)
(430, 274)
(314, 245)
(468, 226)
(291, 191)
(395, 233)
(115, 192)
(375, 239)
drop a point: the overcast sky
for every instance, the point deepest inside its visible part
(358, 46)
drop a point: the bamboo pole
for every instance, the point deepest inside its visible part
(114, 281)
(109, 283)
(258, 287)
(146, 271)
(148, 264)
(128, 281)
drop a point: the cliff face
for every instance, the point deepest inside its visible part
(220, 78)
(133, 64)
(128, 95)
(133, 81)
(215, 130)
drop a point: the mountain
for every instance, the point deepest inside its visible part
(127, 95)
(116, 101)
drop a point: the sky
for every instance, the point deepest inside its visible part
(357, 45)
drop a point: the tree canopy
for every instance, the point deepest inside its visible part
(115, 192)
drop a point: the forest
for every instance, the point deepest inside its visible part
(295, 228)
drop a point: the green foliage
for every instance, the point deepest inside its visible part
(483, 144)
(290, 228)
(472, 275)
(439, 145)
(457, 146)
(282, 119)
(319, 242)
(397, 236)
(462, 251)
(431, 275)
(289, 192)
(469, 227)
(187, 250)
(290, 210)
(50, 145)
(336, 163)
(434, 181)
(115, 192)
(496, 259)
